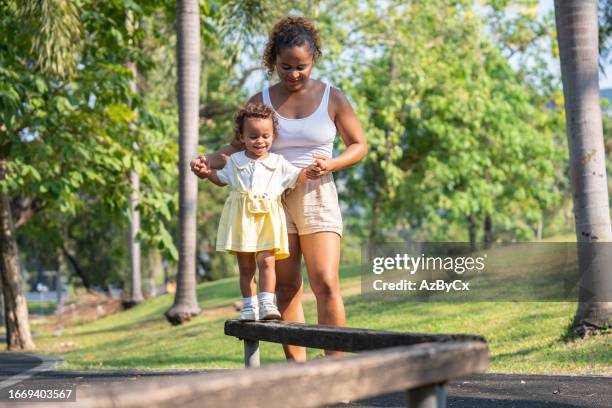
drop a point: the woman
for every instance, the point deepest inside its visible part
(310, 113)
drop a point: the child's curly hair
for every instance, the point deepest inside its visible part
(254, 110)
(291, 31)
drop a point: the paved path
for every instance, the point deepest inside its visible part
(487, 390)
(516, 391)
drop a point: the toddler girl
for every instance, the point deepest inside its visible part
(253, 224)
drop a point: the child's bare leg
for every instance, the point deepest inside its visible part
(267, 275)
(246, 266)
(267, 284)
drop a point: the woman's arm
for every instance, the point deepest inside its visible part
(350, 130)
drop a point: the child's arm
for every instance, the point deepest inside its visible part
(214, 178)
(301, 178)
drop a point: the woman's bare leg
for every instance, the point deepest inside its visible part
(322, 257)
(289, 293)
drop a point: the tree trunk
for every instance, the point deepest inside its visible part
(578, 44)
(155, 270)
(61, 271)
(188, 56)
(488, 231)
(134, 224)
(472, 232)
(77, 269)
(18, 335)
(375, 216)
(134, 244)
(539, 229)
(1, 304)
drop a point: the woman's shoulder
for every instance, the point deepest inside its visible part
(336, 95)
(257, 98)
(338, 102)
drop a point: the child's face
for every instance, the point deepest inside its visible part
(257, 136)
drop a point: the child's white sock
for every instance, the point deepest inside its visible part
(266, 297)
(250, 301)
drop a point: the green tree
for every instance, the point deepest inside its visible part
(455, 138)
(52, 25)
(64, 135)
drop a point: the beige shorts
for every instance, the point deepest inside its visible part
(313, 207)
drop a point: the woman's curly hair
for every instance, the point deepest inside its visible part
(254, 110)
(291, 31)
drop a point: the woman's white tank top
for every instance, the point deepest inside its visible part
(299, 139)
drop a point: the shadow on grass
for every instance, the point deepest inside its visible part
(521, 352)
(187, 345)
(167, 360)
(120, 328)
(191, 329)
(122, 373)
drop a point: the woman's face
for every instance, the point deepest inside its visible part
(293, 66)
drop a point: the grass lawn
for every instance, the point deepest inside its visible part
(524, 337)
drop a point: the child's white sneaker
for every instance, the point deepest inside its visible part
(248, 314)
(268, 311)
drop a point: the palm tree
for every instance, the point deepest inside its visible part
(188, 55)
(578, 44)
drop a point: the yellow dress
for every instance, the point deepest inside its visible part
(253, 222)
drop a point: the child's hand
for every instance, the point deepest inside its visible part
(321, 166)
(199, 167)
(311, 171)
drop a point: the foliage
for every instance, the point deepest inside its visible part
(605, 30)
(54, 30)
(462, 117)
(71, 140)
(454, 132)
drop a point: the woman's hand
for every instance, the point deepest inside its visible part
(320, 167)
(199, 167)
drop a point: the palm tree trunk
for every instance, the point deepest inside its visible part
(578, 44)
(188, 56)
(18, 335)
(134, 224)
(134, 243)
